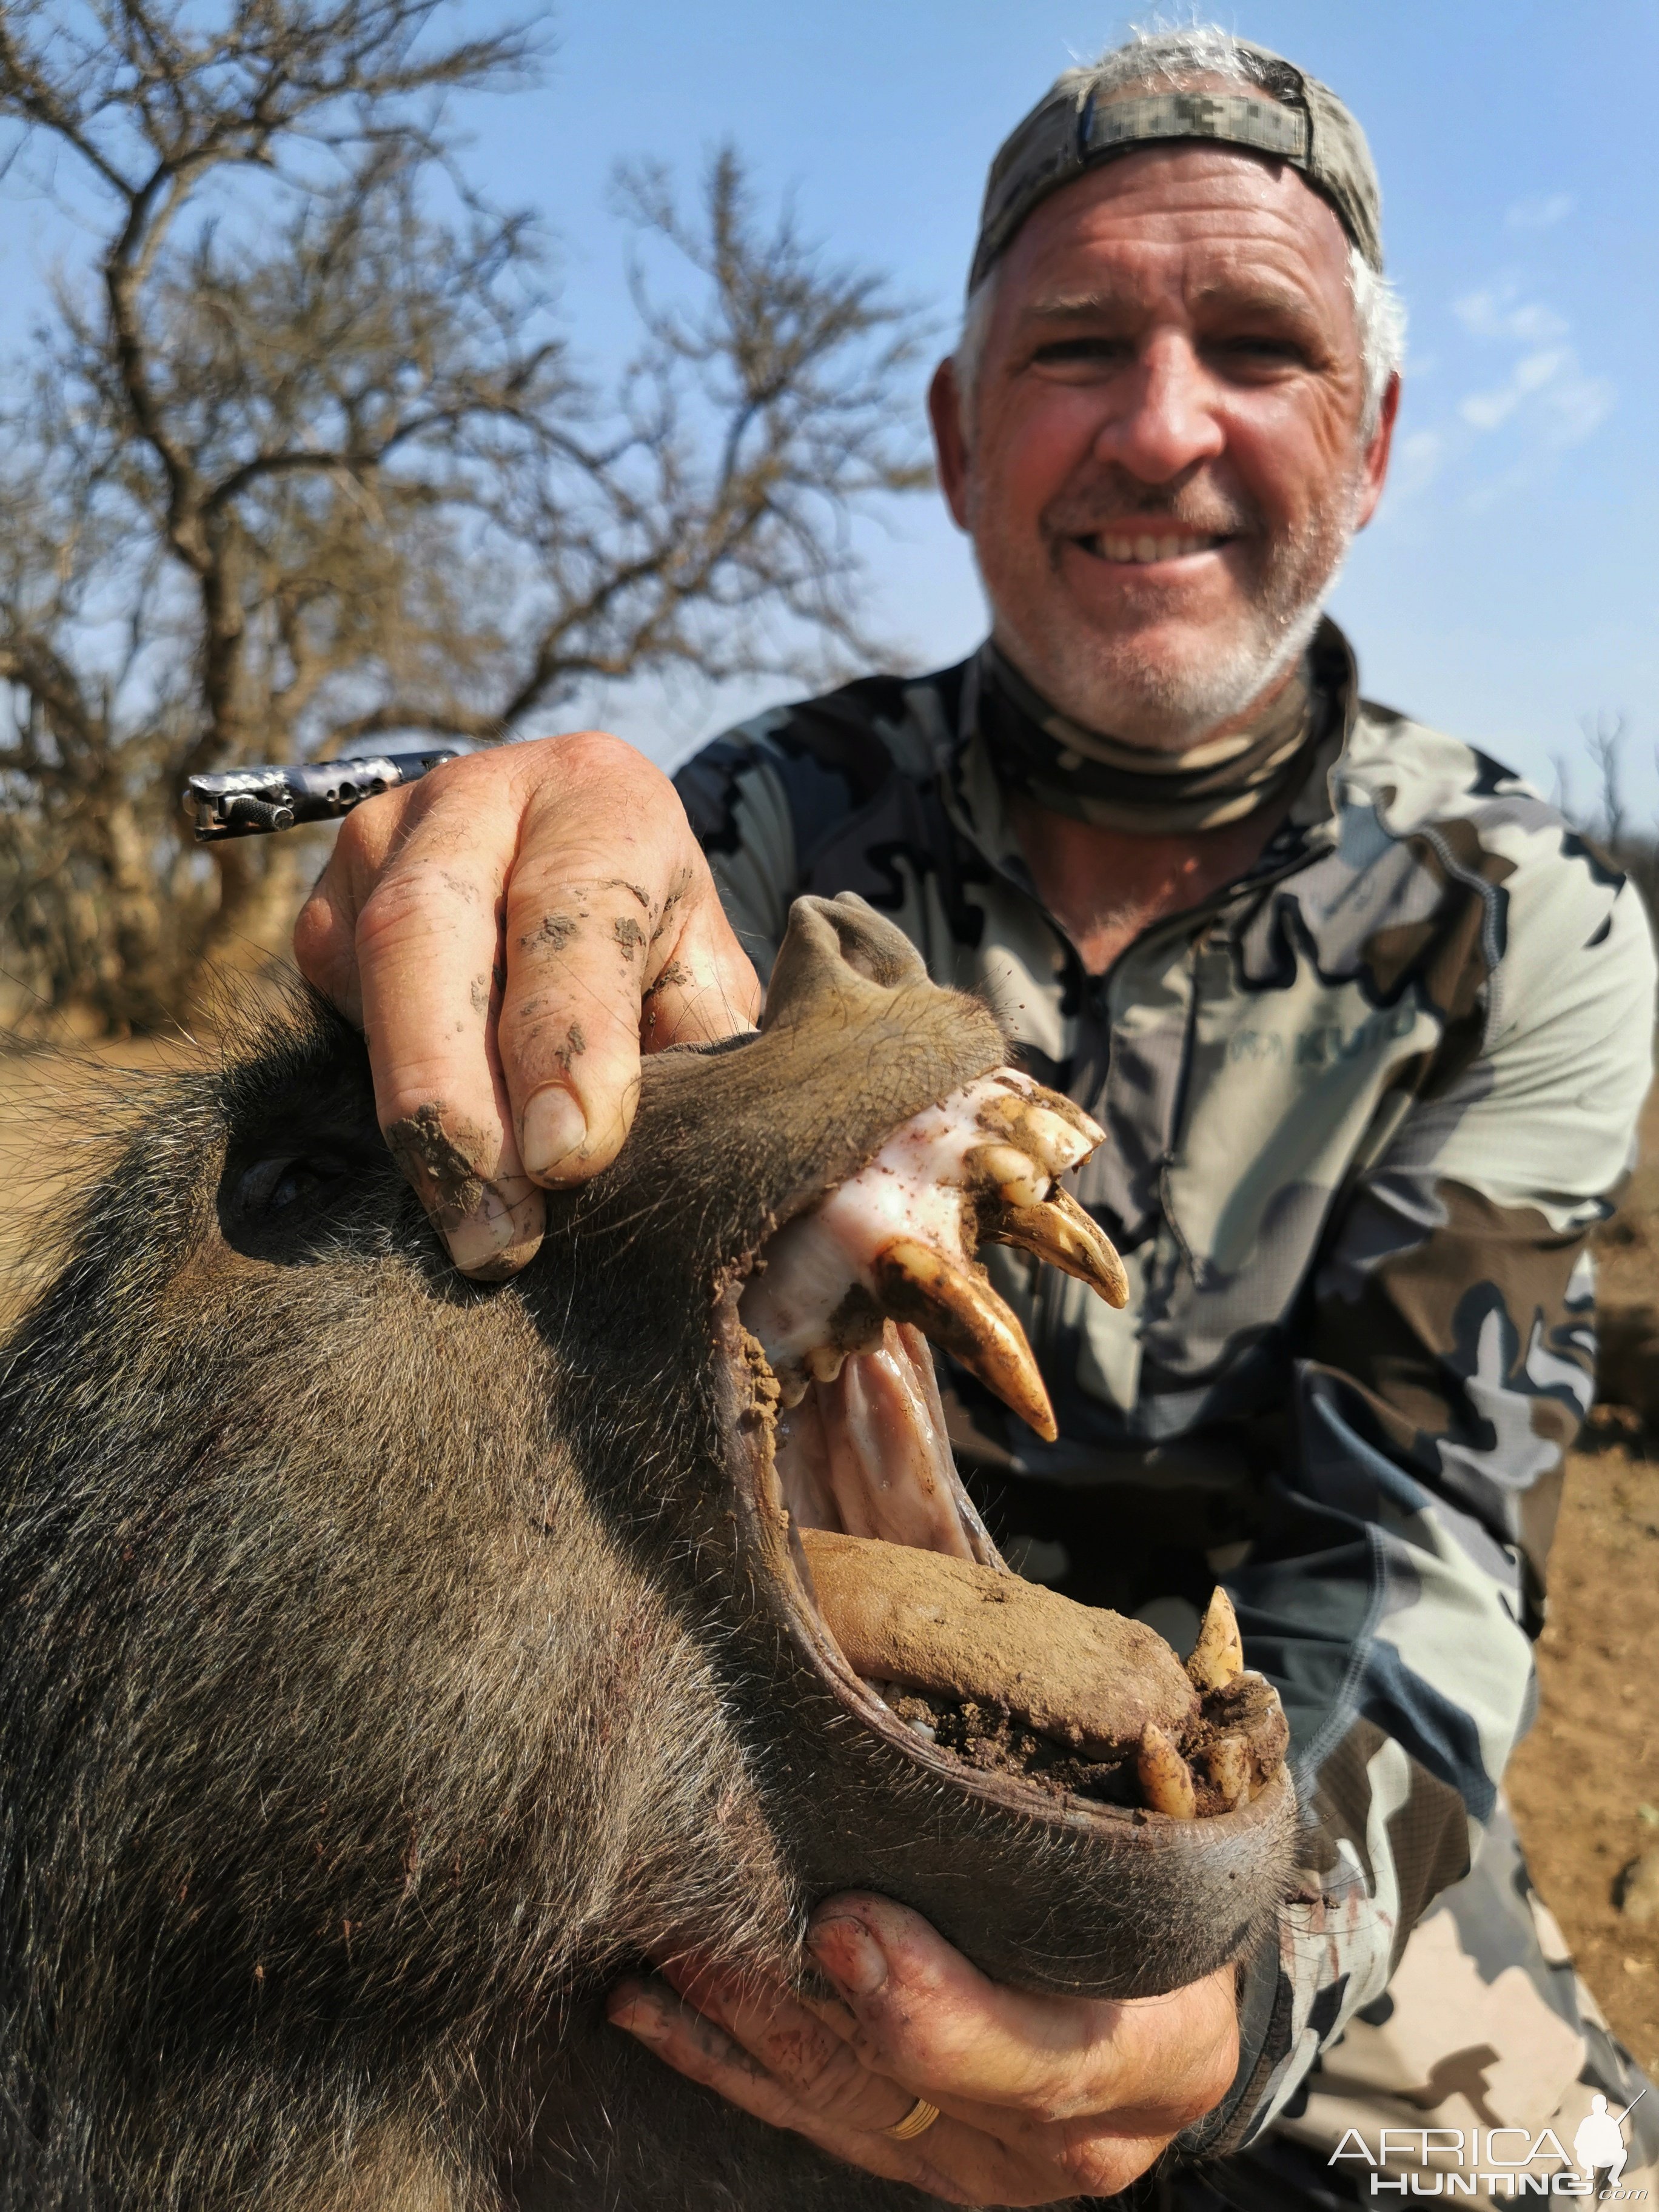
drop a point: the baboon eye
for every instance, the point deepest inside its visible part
(271, 1186)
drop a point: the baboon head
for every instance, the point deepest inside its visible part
(388, 1662)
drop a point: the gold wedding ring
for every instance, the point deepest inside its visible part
(916, 2122)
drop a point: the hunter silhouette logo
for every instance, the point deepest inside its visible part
(1600, 2143)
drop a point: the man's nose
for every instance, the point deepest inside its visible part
(1166, 420)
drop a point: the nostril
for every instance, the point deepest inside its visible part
(874, 947)
(835, 946)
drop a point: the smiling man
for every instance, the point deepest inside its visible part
(1367, 1028)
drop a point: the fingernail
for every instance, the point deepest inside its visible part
(639, 2015)
(849, 1955)
(498, 1236)
(554, 1127)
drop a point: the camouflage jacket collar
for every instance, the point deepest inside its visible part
(977, 802)
(1073, 769)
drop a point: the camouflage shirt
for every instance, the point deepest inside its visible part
(1363, 1107)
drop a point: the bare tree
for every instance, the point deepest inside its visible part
(1604, 741)
(300, 458)
(1627, 843)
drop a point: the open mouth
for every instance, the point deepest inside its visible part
(943, 1648)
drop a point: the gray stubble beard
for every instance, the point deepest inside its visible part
(1169, 709)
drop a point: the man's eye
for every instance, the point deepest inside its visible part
(1064, 352)
(1262, 348)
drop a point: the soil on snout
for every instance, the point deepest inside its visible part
(1585, 1784)
(991, 1741)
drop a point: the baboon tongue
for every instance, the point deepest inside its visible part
(866, 1453)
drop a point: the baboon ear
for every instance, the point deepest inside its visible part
(838, 948)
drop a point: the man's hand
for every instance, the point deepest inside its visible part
(1041, 2097)
(509, 931)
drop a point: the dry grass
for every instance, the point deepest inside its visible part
(56, 1112)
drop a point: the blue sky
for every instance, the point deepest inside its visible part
(1510, 584)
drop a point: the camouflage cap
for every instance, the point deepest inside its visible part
(1132, 97)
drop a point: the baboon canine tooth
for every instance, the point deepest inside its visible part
(1061, 1232)
(965, 1317)
(1166, 1781)
(1219, 1655)
(1229, 1763)
(1270, 1739)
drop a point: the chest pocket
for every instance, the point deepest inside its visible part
(1285, 1091)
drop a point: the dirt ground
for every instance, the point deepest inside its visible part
(1584, 1785)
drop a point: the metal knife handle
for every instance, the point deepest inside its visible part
(254, 802)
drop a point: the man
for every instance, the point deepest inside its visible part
(1368, 1029)
(1599, 2145)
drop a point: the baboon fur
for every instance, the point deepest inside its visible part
(387, 1663)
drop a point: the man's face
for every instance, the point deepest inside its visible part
(1164, 467)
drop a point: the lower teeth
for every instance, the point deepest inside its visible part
(1015, 1678)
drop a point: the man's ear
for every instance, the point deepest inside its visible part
(1375, 469)
(950, 439)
